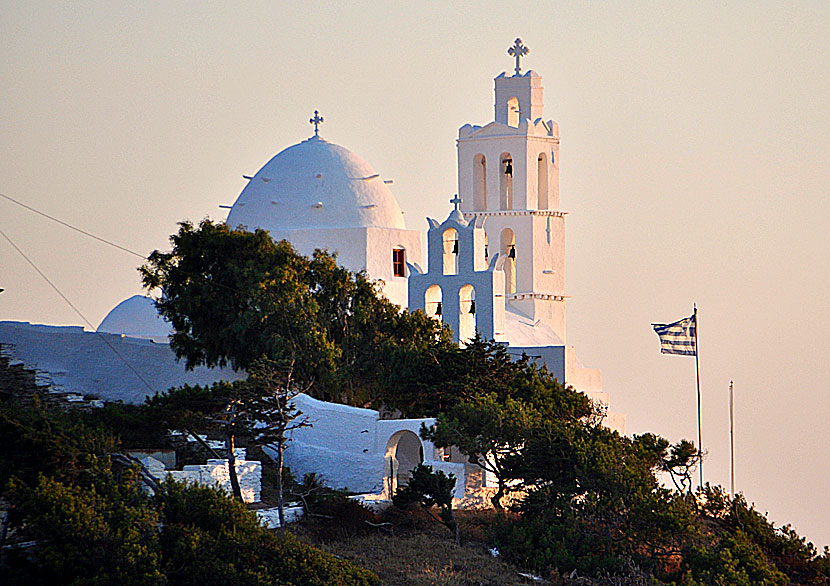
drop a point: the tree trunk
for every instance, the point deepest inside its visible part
(237, 492)
(496, 498)
(280, 507)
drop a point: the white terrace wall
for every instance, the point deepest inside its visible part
(347, 447)
(216, 472)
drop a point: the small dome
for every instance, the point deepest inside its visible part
(136, 317)
(315, 184)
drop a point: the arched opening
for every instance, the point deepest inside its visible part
(432, 302)
(506, 182)
(466, 314)
(542, 182)
(404, 451)
(450, 240)
(480, 183)
(513, 112)
(508, 251)
(399, 262)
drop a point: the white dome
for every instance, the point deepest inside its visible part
(136, 317)
(315, 184)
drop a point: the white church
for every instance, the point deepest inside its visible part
(495, 265)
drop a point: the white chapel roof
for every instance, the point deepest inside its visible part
(136, 317)
(315, 184)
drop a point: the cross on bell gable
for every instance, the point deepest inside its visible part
(455, 201)
(518, 50)
(316, 121)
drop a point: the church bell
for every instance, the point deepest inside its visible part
(473, 306)
(508, 167)
(512, 253)
(438, 309)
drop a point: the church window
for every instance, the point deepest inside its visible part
(399, 262)
(506, 182)
(513, 112)
(480, 183)
(450, 243)
(542, 182)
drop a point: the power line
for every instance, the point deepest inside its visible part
(78, 311)
(71, 227)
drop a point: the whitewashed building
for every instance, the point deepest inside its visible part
(495, 266)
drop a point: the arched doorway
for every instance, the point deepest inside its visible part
(404, 451)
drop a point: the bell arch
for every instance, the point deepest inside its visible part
(433, 298)
(542, 182)
(506, 182)
(466, 314)
(480, 183)
(508, 252)
(450, 243)
(404, 451)
(513, 112)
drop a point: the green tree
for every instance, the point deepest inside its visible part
(429, 488)
(272, 410)
(489, 432)
(233, 296)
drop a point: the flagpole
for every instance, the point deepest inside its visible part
(697, 372)
(732, 439)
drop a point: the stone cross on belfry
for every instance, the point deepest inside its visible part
(518, 50)
(455, 201)
(316, 121)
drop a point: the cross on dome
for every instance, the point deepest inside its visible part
(518, 50)
(455, 201)
(316, 121)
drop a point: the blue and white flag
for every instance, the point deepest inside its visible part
(678, 337)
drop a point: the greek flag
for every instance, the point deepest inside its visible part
(678, 337)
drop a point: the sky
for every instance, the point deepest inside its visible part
(694, 165)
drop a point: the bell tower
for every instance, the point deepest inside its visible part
(508, 173)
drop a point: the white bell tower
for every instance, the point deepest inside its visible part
(508, 173)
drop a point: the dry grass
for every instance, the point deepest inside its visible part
(420, 552)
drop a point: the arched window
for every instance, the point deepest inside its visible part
(450, 238)
(513, 112)
(466, 314)
(398, 262)
(506, 182)
(480, 183)
(542, 182)
(508, 251)
(433, 298)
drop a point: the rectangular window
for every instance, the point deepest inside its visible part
(399, 262)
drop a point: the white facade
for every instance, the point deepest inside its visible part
(317, 194)
(465, 296)
(353, 448)
(504, 252)
(508, 173)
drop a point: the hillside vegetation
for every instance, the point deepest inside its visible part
(575, 503)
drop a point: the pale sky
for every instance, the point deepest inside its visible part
(694, 168)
